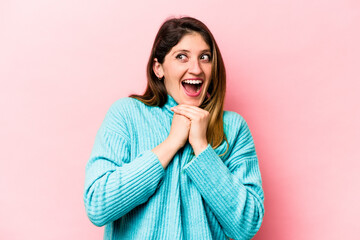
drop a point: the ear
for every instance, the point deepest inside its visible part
(158, 69)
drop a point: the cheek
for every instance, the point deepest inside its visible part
(171, 72)
(206, 67)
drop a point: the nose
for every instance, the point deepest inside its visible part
(195, 67)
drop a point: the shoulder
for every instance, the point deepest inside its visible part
(235, 125)
(121, 112)
(125, 106)
(233, 119)
(125, 103)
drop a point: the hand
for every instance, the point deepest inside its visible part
(199, 122)
(179, 131)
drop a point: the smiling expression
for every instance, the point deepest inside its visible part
(187, 70)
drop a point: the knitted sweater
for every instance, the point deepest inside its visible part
(203, 197)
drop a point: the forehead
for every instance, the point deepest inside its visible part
(191, 42)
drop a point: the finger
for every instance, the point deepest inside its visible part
(197, 109)
(192, 113)
(184, 109)
(186, 113)
(181, 117)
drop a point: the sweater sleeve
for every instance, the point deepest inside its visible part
(114, 184)
(232, 187)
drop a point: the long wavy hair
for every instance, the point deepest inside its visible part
(169, 34)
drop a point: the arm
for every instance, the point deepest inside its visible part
(178, 135)
(113, 184)
(231, 188)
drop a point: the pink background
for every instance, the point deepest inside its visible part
(293, 73)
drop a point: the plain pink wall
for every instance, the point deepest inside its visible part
(293, 73)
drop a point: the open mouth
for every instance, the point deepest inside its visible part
(192, 87)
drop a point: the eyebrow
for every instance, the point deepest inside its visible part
(187, 51)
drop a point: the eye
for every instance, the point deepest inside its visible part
(181, 56)
(206, 57)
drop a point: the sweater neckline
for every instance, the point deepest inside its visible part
(170, 102)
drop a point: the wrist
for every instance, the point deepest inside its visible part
(198, 148)
(165, 151)
(173, 144)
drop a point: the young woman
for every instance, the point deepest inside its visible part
(171, 164)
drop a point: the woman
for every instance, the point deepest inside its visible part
(171, 164)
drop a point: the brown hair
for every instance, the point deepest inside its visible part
(169, 34)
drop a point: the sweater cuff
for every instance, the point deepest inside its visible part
(213, 179)
(147, 172)
(202, 162)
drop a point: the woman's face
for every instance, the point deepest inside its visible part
(187, 70)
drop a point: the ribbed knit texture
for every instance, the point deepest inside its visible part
(203, 197)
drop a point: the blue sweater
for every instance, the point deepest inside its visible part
(203, 197)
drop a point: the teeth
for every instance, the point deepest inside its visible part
(193, 81)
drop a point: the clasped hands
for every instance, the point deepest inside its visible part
(189, 122)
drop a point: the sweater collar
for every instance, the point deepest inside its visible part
(170, 103)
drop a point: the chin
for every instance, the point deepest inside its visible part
(192, 102)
